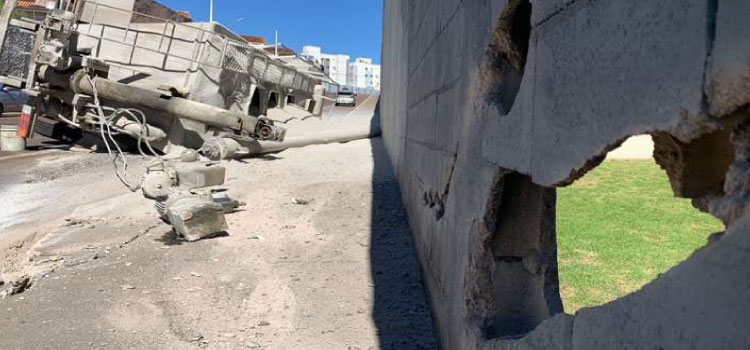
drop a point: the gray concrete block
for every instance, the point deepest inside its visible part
(196, 218)
(447, 11)
(545, 10)
(448, 117)
(199, 175)
(607, 70)
(450, 51)
(728, 80)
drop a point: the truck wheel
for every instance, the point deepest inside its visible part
(57, 130)
(62, 132)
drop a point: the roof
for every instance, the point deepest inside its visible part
(27, 4)
(254, 39)
(186, 15)
(283, 50)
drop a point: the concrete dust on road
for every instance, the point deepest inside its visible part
(321, 257)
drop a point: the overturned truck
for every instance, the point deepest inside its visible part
(172, 85)
(168, 89)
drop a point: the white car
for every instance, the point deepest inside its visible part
(346, 98)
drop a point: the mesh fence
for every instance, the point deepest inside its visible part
(169, 45)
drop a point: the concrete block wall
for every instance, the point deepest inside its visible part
(487, 108)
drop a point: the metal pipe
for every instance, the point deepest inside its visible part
(134, 96)
(261, 147)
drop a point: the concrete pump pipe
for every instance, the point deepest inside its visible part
(135, 96)
(229, 148)
(261, 147)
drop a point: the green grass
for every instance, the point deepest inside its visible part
(619, 227)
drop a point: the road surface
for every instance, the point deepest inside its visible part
(339, 272)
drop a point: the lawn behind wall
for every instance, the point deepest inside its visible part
(619, 227)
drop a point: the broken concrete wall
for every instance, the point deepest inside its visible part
(488, 105)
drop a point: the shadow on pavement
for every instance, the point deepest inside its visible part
(401, 312)
(170, 238)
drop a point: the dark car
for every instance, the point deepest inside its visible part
(11, 100)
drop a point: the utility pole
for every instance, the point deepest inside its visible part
(211, 11)
(276, 46)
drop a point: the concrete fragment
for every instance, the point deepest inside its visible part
(196, 218)
(199, 175)
(16, 285)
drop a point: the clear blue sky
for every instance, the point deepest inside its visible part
(351, 27)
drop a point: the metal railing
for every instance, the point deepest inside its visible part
(209, 49)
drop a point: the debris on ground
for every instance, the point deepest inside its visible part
(300, 201)
(16, 285)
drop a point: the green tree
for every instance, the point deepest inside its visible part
(16, 14)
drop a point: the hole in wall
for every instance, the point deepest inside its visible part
(311, 106)
(506, 54)
(620, 225)
(255, 109)
(517, 265)
(600, 238)
(273, 100)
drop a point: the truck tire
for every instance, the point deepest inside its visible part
(57, 130)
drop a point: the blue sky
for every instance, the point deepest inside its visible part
(351, 27)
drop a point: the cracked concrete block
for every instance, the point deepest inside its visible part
(728, 80)
(449, 52)
(608, 70)
(448, 116)
(545, 10)
(447, 11)
(547, 103)
(554, 333)
(196, 218)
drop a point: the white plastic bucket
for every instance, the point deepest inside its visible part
(9, 141)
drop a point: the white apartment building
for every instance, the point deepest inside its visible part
(336, 66)
(364, 75)
(312, 53)
(361, 75)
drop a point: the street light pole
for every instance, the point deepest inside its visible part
(211, 11)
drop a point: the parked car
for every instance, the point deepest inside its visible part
(11, 100)
(346, 97)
